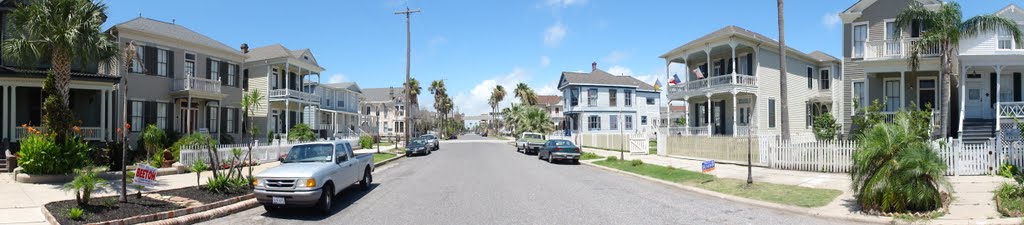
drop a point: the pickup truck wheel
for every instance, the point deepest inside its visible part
(326, 198)
(367, 180)
(269, 208)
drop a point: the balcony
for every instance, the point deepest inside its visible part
(196, 84)
(293, 94)
(87, 133)
(895, 49)
(723, 83)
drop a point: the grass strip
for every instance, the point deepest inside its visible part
(377, 157)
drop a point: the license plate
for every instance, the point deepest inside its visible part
(278, 200)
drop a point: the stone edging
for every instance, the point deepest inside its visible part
(792, 209)
(162, 215)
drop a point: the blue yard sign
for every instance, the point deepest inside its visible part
(707, 166)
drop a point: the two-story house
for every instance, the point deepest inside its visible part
(288, 78)
(732, 83)
(384, 111)
(875, 61)
(991, 95)
(339, 109)
(182, 80)
(599, 102)
(92, 101)
(552, 104)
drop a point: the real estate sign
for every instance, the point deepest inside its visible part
(707, 166)
(145, 175)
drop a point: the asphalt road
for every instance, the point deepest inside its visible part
(490, 183)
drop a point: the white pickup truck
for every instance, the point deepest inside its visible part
(312, 174)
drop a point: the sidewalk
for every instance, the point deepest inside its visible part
(972, 204)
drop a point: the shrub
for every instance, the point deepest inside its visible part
(188, 140)
(365, 141)
(636, 162)
(226, 185)
(589, 156)
(271, 136)
(613, 158)
(198, 167)
(896, 170)
(1007, 170)
(41, 154)
(301, 132)
(76, 214)
(153, 139)
(84, 184)
(825, 127)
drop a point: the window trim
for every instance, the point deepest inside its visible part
(810, 77)
(140, 55)
(885, 29)
(212, 113)
(214, 68)
(137, 117)
(853, 39)
(613, 122)
(935, 98)
(594, 123)
(627, 97)
(231, 75)
(163, 111)
(859, 99)
(613, 97)
(187, 61)
(163, 67)
(627, 122)
(230, 120)
(592, 97)
(825, 78)
(885, 93)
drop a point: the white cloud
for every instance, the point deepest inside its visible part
(475, 101)
(554, 34)
(831, 20)
(619, 70)
(545, 61)
(551, 88)
(337, 78)
(564, 3)
(615, 57)
(437, 40)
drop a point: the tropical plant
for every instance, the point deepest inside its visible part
(301, 132)
(946, 28)
(866, 117)
(62, 32)
(525, 94)
(41, 154)
(530, 119)
(76, 213)
(681, 121)
(153, 139)
(825, 127)
(412, 91)
(897, 170)
(250, 104)
(85, 183)
(497, 95)
(226, 185)
(198, 167)
(783, 84)
(207, 142)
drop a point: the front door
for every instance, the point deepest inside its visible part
(718, 117)
(188, 119)
(978, 104)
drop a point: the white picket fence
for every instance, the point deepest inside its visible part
(967, 159)
(818, 156)
(261, 152)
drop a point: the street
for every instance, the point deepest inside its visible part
(490, 183)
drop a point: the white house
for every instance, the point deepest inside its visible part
(992, 92)
(599, 102)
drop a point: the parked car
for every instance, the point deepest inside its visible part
(312, 174)
(432, 141)
(530, 142)
(484, 134)
(559, 150)
(418, 146)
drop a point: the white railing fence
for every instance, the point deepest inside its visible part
(87, 133)
(820, 156)
(887, 49)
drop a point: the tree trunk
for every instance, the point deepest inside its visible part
(62, 68)
(945, 71)
(783, 96)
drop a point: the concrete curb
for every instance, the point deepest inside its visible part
(209, 214)
(386, 161)
(792, 209)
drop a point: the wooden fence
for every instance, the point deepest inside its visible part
(818, 156)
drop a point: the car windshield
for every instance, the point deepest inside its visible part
(427, 136)
(310, 153)
(533, 136)
(561, 143)
(418, 142)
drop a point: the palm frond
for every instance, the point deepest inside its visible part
(989, 24)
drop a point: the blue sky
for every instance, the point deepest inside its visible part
(478, 44)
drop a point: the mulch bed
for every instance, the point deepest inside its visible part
(97, 212)
(199, 195)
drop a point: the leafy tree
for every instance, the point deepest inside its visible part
(825, 127)
(525, 94)
(866, 118)
(497, 95)
(301, 132)
(946, 28)
(153, 138)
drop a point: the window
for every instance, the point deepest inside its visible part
(230, 120)
(742, 115)
(190, 65)
(860, 37)
(810, 77)
(231, 75)
(718, 68)
(212, 113)
(650, 101)
(771, 113)
(574, 97)
(859, 98)
(744, 64)
(926, 93)
(139, 59)
(161, 115)
(628, 97)
(1005, 39)
(809, 117)
(824, 80)
(591, 96)
(595, 122)
(629, 122)
(613, 122)
(161, 62)
(613, 97)
(136, 116)
(890, 30)
(892, 95)
(643, 120)
(214, 70)
(273, 80)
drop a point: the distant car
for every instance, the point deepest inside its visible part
(432, 141)
(311, 175)
(484, 134)
(453, 136)
(417, 146)
(530, 142)
(559, 150)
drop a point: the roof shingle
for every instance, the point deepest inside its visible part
(175, 31)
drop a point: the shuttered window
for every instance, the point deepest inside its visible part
(212, 115)
(136, 116)
(161, 115)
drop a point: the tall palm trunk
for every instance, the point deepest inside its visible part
(946, 71)
(62, 67)
(783, 96)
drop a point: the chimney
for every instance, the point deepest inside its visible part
(593, 66)
(245, 48)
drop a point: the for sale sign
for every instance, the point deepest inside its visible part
(145, 175)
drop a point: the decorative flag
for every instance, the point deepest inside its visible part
(657, 84)
(699, 74)
(675, 77)
(672, 81)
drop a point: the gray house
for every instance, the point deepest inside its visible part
(288, 78)
(181, 81)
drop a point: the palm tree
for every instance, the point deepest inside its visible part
(895, 168)
(439, 91)
(62, 32)
(413, 90)
(945, 30)
(525, 94)
(497, 95)
(250, 103)
(783, 96)
(534, 119)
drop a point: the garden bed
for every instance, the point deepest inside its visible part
(109, 209)
(202, 196)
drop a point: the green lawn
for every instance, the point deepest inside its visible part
(653, 147)
(499, 137)
(777, 193)
(589, 156)
(377, 157)
(1009, 204)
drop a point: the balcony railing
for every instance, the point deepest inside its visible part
(87, 133)
(715, 81)
(690, 131)
(895, 49)
(196, 84)
(294, 94)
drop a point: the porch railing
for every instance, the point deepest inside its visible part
(196, 84)
(87, 133)
(288, 93)
(716, 81)
(890, 49)
(890, 117)
(1011, 109)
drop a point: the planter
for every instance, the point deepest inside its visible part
(53, 217)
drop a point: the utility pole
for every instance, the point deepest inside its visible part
(408, 53)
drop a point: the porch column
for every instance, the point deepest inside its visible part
(963, 93)
(707, 54)
(287, 78)
(708, 113)
(757, 60)
(287, 113)
(6, 110)
(688, 113)
(14, 112)
(734, 130)
(999, 76)
(188, 115)
(903, 85)
(732, 44)
(103, 114)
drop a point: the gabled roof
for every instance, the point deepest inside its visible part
(1011, 8)
(352, 86)
(823, 57)
(548, 99)
(382, 94)
(600, 77)
(174, 31)
(863, 4)
(279, 51)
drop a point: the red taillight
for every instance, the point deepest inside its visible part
(558, 149)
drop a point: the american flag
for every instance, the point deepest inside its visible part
(699, 74)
